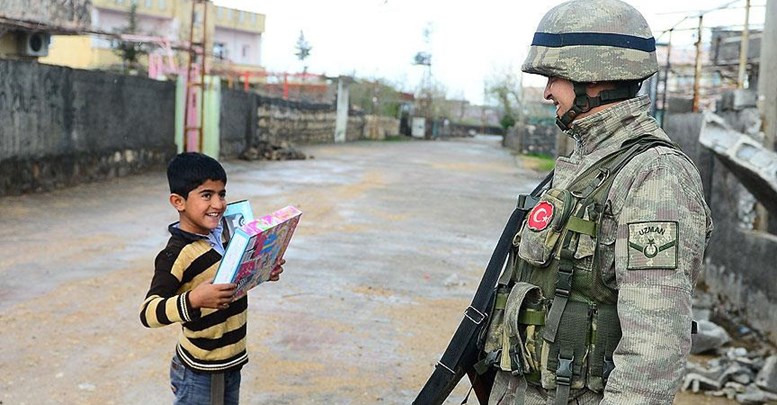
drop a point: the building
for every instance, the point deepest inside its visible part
(26, 26)
(232, 38)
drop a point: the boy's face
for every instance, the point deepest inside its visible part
(201, 211)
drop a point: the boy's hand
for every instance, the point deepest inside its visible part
(209, 295)
(275, 274)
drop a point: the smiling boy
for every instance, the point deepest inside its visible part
(211, 348)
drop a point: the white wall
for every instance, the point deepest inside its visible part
(112, 21)
(242, 47)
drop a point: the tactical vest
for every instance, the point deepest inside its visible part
(554, 318)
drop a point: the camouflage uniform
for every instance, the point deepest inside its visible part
(648, 250)
(659, 188)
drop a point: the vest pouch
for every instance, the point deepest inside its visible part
(607, 234)
(570, 348)
(542, 229)
(606, 333)
(523, 317)
(493, 338)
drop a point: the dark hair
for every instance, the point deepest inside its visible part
(189, 170)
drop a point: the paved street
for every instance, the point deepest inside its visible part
(389, 251)
(390, 248)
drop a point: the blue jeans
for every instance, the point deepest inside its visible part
(193, 388)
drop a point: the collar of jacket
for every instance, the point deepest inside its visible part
(188, 236)
(614, 124)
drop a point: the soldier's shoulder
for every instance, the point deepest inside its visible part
(669, 158)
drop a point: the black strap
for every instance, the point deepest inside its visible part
(462, 351)
(584, 103)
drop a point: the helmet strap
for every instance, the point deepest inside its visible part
(584, 103)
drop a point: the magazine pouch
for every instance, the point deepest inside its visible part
(524, 315)
(542, 229)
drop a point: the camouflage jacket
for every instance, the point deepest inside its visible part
(656, 199)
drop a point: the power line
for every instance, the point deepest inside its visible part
(699, 13)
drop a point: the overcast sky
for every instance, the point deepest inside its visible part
(469, 41)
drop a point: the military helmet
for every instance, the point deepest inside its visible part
(593, 41)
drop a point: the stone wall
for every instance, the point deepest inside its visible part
(378, 128)
(355, 128)
(739, 261)
(60, 126)
(298, 123)
(295, 122)
(527, 138)
(461, 130)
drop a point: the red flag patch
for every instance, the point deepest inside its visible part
(540, 216)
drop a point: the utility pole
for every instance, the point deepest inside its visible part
(767, 92)
(743, 48)
(666, 79)
(195, 78)
(697, 71)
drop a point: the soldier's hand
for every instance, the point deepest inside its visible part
(209, 295)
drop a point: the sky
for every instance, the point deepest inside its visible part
(469, 44)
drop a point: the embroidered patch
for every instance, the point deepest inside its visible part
(653, 245)
(540, 216)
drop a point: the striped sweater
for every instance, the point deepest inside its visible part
(211, 340)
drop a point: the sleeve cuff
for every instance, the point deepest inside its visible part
(188, 312)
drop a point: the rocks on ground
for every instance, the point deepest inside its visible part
(265, 150)
(743, 366)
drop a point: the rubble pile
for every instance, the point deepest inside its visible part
(265, 150)
(747, 375)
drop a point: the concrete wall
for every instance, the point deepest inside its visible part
(238, 121)
(739, 261)
(70, 14)
(525, 138)
(60, 126)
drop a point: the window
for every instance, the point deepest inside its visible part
(241, 16)
(149, 3)
(162, 5)
(246, 49)
(219, 50)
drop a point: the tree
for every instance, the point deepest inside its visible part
(375, 96)
(130, 51)
(505, 87)
(303, 50)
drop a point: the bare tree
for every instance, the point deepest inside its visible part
(504, 85)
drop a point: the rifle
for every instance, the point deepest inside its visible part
(464, 348)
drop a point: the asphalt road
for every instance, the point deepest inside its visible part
(391, 245)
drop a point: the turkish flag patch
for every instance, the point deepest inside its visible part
(540, 216)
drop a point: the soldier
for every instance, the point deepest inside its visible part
(594, 305)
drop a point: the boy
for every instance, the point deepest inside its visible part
(211, 349)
